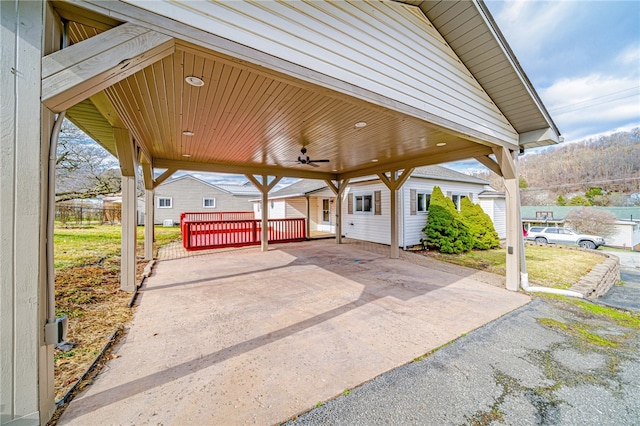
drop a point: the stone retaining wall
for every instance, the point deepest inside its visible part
(597, 282)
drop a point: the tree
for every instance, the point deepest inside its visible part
(84, 169)
(522, 182)
(445, 228)
(596, 197)
(589, 220)
(578, 200)
(480, 225)
(561, 201)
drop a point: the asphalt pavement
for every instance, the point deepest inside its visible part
(550, 362)
(627, 295)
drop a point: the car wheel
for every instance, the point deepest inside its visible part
(587, 245)
(541, 241)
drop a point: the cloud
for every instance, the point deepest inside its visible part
(593, 103)
(630, 56)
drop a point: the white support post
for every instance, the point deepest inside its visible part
(149, 219)
(128, 241)
(308, 214)
(338, 189)
(26, 362)
(265, 186)
(394, 182)
(514, 226)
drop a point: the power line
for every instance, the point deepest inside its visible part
(568, 185)
(596, 98)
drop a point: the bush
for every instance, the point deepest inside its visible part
(445, 229)
(480, 225)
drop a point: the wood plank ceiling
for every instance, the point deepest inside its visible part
(245, 115)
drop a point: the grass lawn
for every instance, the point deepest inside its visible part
(550, 266)
(87, 263)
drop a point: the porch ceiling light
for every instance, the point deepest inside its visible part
(194, 81)
(441, 144)
(360, 124)
(186, 155)
(188, 133)
(375, 160)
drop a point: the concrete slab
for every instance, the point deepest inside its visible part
(245, 337)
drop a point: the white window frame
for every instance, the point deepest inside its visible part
(363, 196)
(460, 196)
(419, 209)
(204, 203)
(159, 199)
(328, 210)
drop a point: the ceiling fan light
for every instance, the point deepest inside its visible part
(194, 81)
(188, 133)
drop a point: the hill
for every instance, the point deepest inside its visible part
(610, 162)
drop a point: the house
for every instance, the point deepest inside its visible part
(495, 205)
(239, 87)
(366, 204)
(306, 198)
(366, 208)
(627, 224)
(189, 194)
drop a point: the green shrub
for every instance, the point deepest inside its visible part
(480, 225)
(445, 229)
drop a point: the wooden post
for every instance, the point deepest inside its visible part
(128, 241)
(514, 226)
(308, 214)
(394, 182)
(264, 187)
(338, 189)
(149, 218)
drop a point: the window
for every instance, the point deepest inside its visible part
(364, 203)
(209, 203)
(456, 200)
(422, 202)
(165, 202)
(326, 210)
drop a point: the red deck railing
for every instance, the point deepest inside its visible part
(209, 234)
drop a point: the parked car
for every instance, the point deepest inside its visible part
(553, 235)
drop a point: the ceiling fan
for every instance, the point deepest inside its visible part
(304, 159)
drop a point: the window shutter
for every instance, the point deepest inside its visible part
(349, 203)
(412, 201)
(377, 197)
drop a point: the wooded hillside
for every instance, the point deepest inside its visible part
(611, 163)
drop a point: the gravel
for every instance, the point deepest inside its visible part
(516, 370)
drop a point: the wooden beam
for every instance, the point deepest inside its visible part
(125, 151)
(338, 189)
(488, 162)
(164, 176)
(147, 176)
(73, 74)
(461, 154)
(506, 162)
(240, 169)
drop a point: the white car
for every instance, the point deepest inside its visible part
(553, 235)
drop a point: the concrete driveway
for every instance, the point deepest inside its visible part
(244, 337)
(626, 296)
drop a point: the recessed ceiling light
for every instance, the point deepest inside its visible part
(441, 144)
(375, 160)
(186, 155)
(188, 133)
(360, 124)
(194, 81)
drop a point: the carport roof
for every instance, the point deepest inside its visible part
(252, 117)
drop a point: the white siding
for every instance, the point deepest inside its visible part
(187, 195)
(627, 235)
(496, 208)
(367, 226)
(387, 48)
(296, 208)
(413, 224)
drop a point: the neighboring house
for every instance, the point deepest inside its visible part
(366, 204)
(190, 194)
(494, 204)
(366, 214)
(310, 199)
(627, 222)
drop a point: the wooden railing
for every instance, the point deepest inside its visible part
(209, 234)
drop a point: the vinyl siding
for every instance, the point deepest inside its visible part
(367, 226)
(497, 211)
(386, 48)
(295, 208)
(187, 195)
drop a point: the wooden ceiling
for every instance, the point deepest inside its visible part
(247, 116)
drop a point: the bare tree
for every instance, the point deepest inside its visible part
(588, 220)
(84, 169)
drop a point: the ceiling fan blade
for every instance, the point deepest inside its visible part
(319, 161)
(311, 163)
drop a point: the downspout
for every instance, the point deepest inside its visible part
(52, 334)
